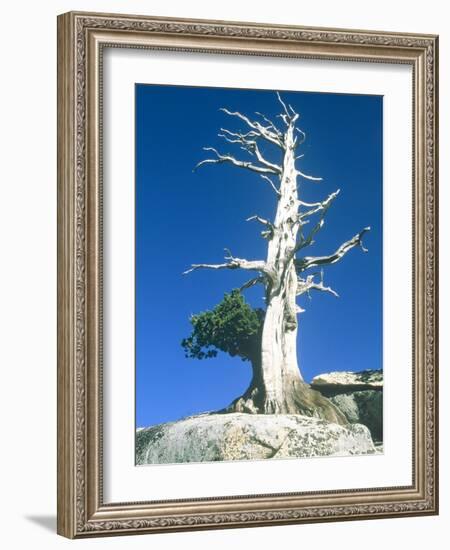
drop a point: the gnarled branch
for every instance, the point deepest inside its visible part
(271, 124)
(263, 131)
(311, 261)
(263, 221)
(269, 232)
(308, 284)
(233, 263)
(254, 149)
(252, 282)
(249, 145)
(289, 111)
(240, 137)
(316, 207)
(321, 207)
(302, 135)
(240, 163)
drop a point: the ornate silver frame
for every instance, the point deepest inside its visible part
(81, 38)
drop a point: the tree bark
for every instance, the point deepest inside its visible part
(280, 373)
(297, 398)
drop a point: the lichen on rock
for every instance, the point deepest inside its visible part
(239, 436)
(340, 381)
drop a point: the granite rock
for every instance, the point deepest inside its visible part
(238, 436)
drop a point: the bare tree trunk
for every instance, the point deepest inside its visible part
(252, 400)
(279, 338)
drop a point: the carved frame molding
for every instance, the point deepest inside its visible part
(81, 39)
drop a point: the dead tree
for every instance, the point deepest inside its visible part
(278, 387)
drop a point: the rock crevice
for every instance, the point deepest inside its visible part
(359, 395)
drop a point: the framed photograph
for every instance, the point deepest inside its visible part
(247, 276)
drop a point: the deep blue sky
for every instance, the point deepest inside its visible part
(185, 217)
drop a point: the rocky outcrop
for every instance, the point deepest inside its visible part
(333, 383)
(359, 395)
(239, 436)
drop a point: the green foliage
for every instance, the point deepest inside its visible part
(232, 326)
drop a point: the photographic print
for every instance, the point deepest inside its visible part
(258, 274)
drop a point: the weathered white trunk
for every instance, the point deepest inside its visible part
(279, 338)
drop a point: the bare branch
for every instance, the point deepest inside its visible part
(267, 233)
(240, 163)
(249, 145)
(267, 168)
(303, 135)
(230, 139)
(284, 118)
(274, 187)
(250, 134)
(292, 110)
(308, 284)
(260, 220)
(271, 124)
(304, 242)
(252, 282)
(321, 207)
(255, 149)
(318, 206)
(312, 178)
(232, 263)
(309, 204)
(209, 266)
(310, 261)
(262, 131)
(236, 137)
(290, 115)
